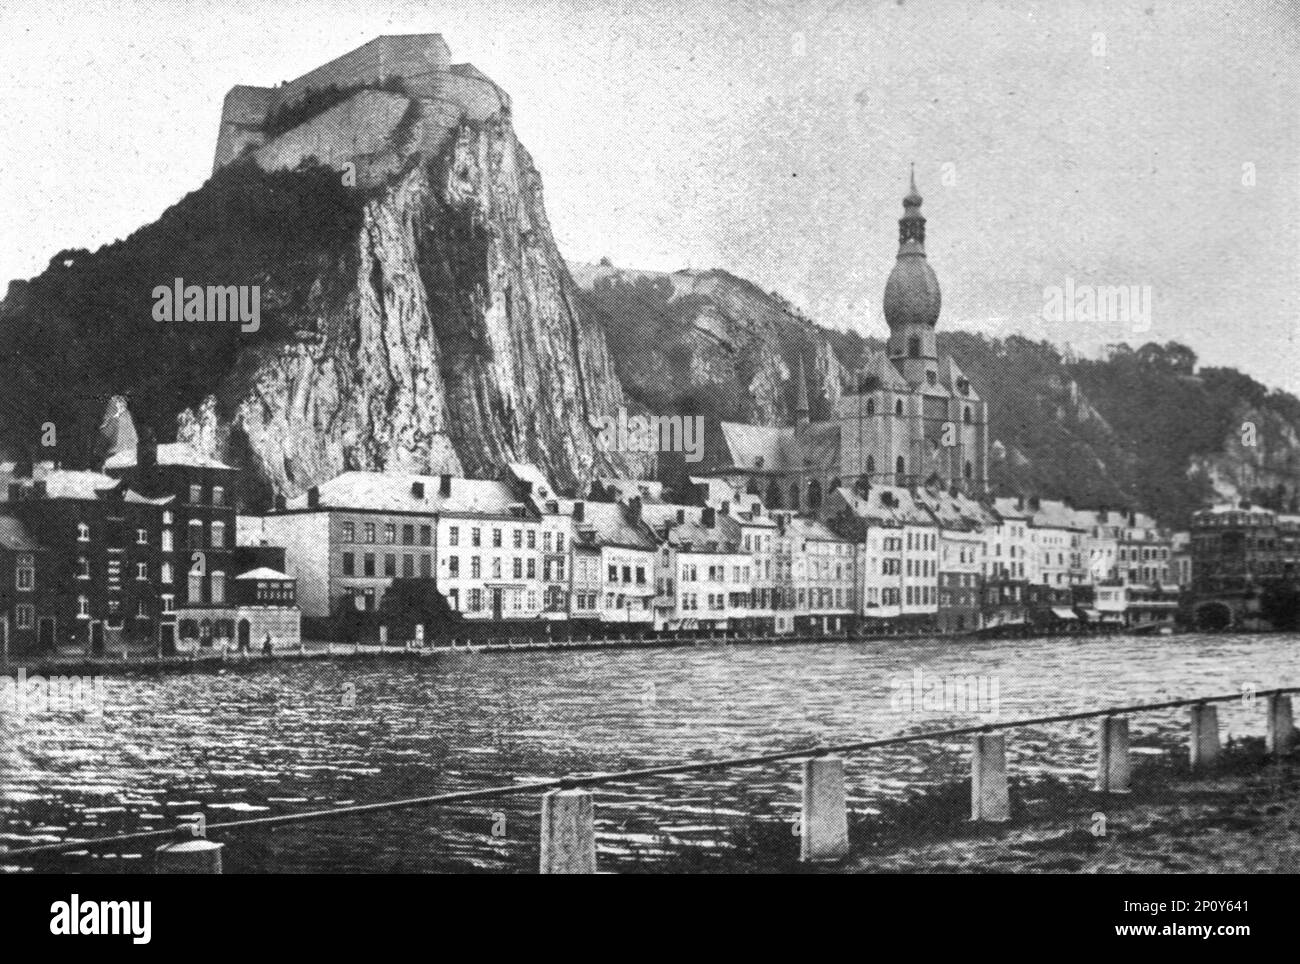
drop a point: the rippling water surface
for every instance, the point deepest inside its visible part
(283, 738)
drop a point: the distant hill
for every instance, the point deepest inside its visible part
(1143, 428)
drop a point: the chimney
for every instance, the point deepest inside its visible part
(708, 517)
(444, 486)
(146, 451)
(1245, 504)
(280, 503)
(1020, 502)
(417, 490)
(681, 515)
(1035, 503)
(1103, 514)
(313, 497)
(579, 511)
(634, 508)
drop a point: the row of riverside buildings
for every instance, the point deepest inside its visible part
(872, 518)
(151, 555)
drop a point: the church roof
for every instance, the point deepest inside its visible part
(782, 449)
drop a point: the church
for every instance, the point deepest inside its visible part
(908, 417)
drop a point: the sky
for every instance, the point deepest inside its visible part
(1058, 145)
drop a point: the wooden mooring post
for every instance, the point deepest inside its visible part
(824, 831)
(1113, 765)
(989, 800)
(568, 832)
(1281, 729)
(1203, 739)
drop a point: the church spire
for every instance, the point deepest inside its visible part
(801, 410)
(911, 226)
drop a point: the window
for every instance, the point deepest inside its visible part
(519, 568)
(167, 540)
(532, 568)
(408, 535)
(370, 533)
(142, 570)
(898, 407)
(426, 566)
(901, 465)
(368, 564)
(390, 565)
(168, 602)
(218, 495)
(83, 532)
(453, 536)
(25, 616)
(496, 568)
(426, 535)
(349, 532)
(83, 607)
(196, 493)
(390, 533)
(496, 538)
(165, 573)
(195, 531)
(218, 535)
(218, 587)
(476, 600)
(141, 537)
(349, 563)
(26, 577)
(408, 567)
(518, 537)
(453, 566)
(195, 587)
(914, 347)
(476, 537)
(475, 567)
(559, 542)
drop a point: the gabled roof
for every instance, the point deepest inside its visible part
(782, 449)
(956, 512)
(169, 453)
(608, 524)
(886, 505)
(393, 492)
(264, 572)
(950, 374)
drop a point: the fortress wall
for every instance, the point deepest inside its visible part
(242, 114)
(361, 124)
(382, 57)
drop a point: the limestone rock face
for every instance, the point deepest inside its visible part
(445, 340)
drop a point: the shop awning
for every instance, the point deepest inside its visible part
(1060, 613)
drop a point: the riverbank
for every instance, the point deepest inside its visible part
(208, 659)
(1241, 817)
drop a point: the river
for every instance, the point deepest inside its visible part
(285, 737)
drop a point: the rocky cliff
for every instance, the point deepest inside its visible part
(423, 321)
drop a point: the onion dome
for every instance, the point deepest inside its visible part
(912, 291)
